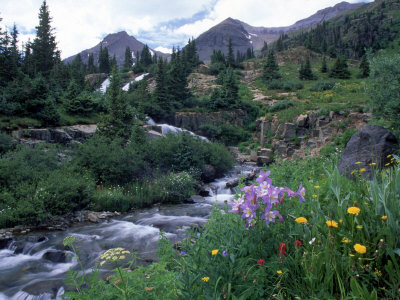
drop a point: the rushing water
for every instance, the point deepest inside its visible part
(35, 265)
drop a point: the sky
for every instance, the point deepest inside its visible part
(81, 24)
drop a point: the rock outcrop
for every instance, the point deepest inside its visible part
(193, 120)
(369, 146)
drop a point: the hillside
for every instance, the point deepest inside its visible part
(373, 26)
(245, 36)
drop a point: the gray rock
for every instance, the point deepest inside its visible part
(289, 131)
(93, 218)
(265, 152)
(302, 121)
(264, 160)
(331, 115)
(4, 242)
(312, 119)
(55, 256)
(208, 173)
(253, 156)
(371, 144)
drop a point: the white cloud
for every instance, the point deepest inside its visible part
(82, 24)
(163, 49)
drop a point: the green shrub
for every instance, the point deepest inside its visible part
(288, 86)
(322, 86)
(6, 142)
(384, 88)
(176, 187)
(281, 105)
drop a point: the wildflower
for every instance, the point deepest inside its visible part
(312, 241)
(282, 249)
(389, 156)
(301, 220)
(351, 255)
(331, 223)
(225, 253)
(316, 186)
(357, 163)
(269, 216)
(340, 221)
(362, 170)
(315, 196)
(69, 240)
(261, 262)
(148, 277)
(214, 252)
(345, 240)
(353, 210)
(378, 273)
(359, 227)
(301, 193)
(384, 218)
(205, 279)
(149, 288)
(279, 272)
(372, 164)
(360, 248)
(183, 252)
(264, 177)
(297, 243)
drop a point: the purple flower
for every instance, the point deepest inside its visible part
(264, 177)
(225, 253)
(236, 205)
(301, 193)
(270, 215)
(183, 252)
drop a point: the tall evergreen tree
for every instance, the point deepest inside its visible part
(114, 62)
(230, 58)
(305, 72)
(271, 68)
(15, 55)
(104, 60)
(91, 68)
(324, 67)
(44, 47)
(145, 57)
(177, 79)
(161, 95)
(264, 50)
(128, 62)
(364, 67)
(340, 69)
(120, 118)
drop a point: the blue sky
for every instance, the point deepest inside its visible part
(161, 24)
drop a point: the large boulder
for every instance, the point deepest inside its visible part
(55, 256)
(371, 144)
(208, 173)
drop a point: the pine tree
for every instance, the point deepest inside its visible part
(15, 55)
(177, 79)
(324, 67)
(364, 67)
(305, 72)
(230, 58)
(128, 62)
(91, 68)
(114, 63)
(120, 118)
(271, 68)
(104, 60)
(264, 50)
(340, 69)
(145, 57)
(161, 95)
(44, 47)
(78, 74)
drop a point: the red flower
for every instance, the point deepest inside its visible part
(282, 249)
(261, 262)
(297, 244)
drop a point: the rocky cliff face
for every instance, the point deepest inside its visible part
(193, 120)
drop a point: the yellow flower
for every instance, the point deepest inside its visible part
(353, 210)
(378, 273)
(362, 170)
(316, 186)
(351, 255)
(205, 279)
(360, 248)
(384, 218)
(390, 155)
(359, 227)
(315, 196)
(357, 163)
(340, 221)
(372, 164)
(345, 240)
(214, 252)
(301, 220)
(148, 277)
(279, 272)
(331, 223)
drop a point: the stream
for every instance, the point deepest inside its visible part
(34, 265)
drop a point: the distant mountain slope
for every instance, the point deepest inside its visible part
(116, 44)
(373, 26)
(244, 35)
